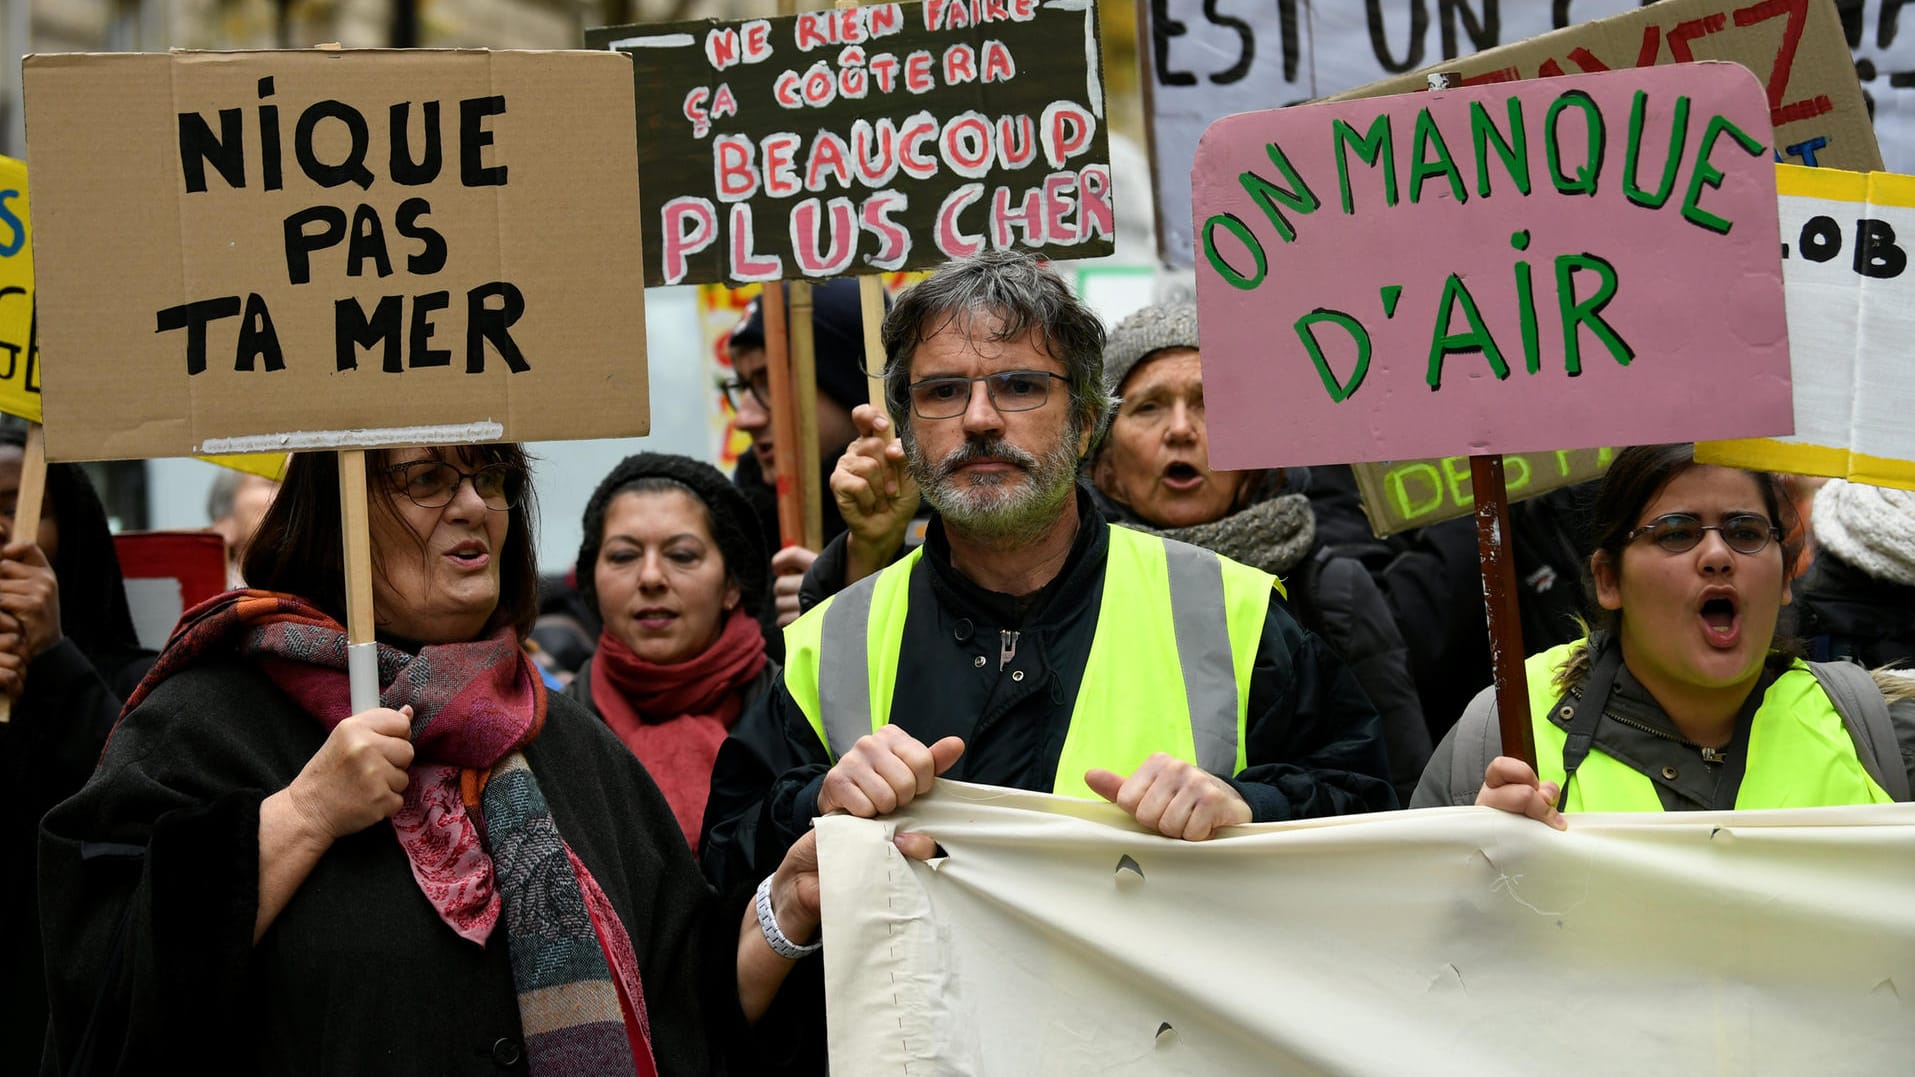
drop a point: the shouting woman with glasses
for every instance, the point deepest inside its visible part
(1682, 698)
(472, 874)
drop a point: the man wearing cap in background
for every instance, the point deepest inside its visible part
(838, 332)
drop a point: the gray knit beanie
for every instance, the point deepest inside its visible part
(1154, 328)
(1870, 527)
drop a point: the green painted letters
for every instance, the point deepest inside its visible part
(1671, 166)
(1584, 181)
(1378, 142)
(1707, 175)
(1477, 339)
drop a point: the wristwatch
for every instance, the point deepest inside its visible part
(775, 935)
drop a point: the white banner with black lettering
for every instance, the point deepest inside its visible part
(1058, 938)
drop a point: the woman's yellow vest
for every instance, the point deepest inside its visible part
(1800, 754)
(1168, 671)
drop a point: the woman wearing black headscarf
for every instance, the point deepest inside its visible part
(68, 656)
(673, 562)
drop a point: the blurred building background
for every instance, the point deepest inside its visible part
(173, 493)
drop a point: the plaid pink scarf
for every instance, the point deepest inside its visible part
(474, 826)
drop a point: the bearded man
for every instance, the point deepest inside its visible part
(1027, 642)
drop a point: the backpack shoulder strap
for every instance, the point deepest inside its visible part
(1865, 713)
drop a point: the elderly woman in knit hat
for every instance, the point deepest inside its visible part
(1152, 472)
(674, 563)
(1857, 601)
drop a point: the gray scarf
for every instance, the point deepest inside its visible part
(1272, 535)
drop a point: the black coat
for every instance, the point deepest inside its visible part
(47, 752)
(1433, 585)
(150, 884)
(1844, 613)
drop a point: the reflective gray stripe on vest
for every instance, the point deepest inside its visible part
(844, 672)
(1198, 617)
(1202, 624)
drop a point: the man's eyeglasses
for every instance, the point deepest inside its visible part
(1679, 532)
(432, 484)
(1010, 390)
(759, 388)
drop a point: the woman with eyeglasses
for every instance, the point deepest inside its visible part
(1684, 697)
(473, 874)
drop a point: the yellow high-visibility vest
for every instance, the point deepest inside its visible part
(1800, 754)
(1168, 671)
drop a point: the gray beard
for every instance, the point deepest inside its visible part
(981, 506)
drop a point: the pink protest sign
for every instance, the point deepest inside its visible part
(1518, 267)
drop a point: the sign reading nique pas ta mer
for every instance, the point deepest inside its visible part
(279, 250)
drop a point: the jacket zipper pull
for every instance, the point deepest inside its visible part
(1007, 648)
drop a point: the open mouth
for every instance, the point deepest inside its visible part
(1719, 618)
(1182, 476)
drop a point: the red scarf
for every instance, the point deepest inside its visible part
(674, 717)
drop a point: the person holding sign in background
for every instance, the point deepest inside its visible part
(1684, 698)
(68, 656)
(227, 883)
(673, 563)
(838, 328)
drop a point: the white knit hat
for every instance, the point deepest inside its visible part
(1870, 527)
(1154, 328)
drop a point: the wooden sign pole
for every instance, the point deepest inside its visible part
(26, 512)
(804, 382)
(871, 313)
(362, 655)
(871, 310)
(791, 513)
(1499, 599)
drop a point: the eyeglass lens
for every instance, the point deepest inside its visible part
(432, 484)
(1744, 533)
(759, 386)
(1010, 390)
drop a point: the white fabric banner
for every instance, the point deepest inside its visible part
(1058, 938)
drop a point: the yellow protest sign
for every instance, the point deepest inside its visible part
(19, 346)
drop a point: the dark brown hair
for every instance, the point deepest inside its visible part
(299, 547)
(1634, 479)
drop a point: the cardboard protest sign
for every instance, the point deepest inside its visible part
(1851, 301)
(1402, 494)
(285, 250)
(1208, 59)
(885, 137)
(1558, 263)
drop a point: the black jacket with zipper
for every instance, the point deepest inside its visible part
(1003, 674)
